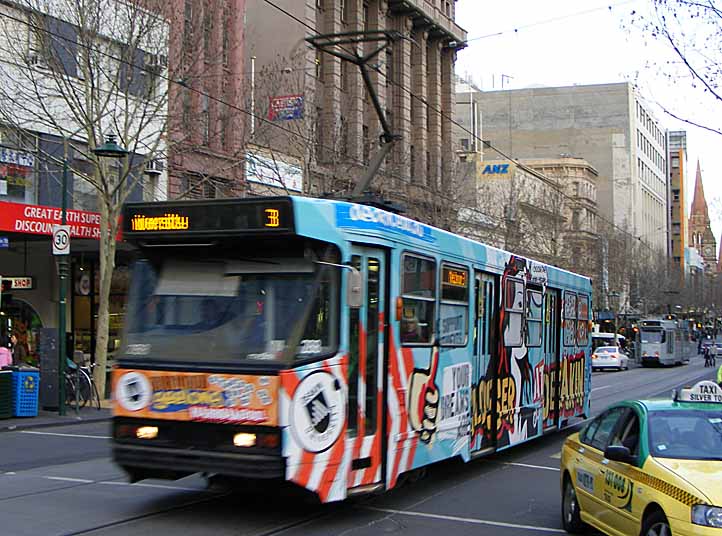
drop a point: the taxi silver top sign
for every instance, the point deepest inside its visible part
(704, 391)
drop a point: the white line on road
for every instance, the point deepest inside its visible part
(600, 388)
(158, 486)
(68, 479)
(471, 520)
(517, 464)
(65, 435)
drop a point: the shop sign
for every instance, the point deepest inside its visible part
(17, 283)
(273, 172)
(285, 108)
(19, 158)
(39, 220)
(193, 396)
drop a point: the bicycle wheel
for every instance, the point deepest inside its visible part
(69, 390)
(94, 395)
(85, 388)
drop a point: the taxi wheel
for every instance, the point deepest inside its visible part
(656, 524)
(571, 520)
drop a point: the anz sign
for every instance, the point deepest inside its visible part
(496, 169)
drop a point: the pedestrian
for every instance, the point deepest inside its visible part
(6, 356)
(699, 346)
(713, 353)
(705, 352)
(19, 351)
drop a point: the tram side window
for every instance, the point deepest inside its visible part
(535, 307)
(419, 300)
(454, 312)
(582, 320)
(570, 319)
(514, 310)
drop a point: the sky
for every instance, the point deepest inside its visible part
(528, 43)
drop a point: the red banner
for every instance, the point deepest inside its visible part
(39, 220)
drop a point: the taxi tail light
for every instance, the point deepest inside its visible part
(656, 354)
(594, 356)
(268, 440)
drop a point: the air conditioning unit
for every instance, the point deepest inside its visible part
(152, 167)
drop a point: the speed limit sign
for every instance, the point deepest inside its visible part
(61, 239)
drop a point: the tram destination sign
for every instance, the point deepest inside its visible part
(238, 216)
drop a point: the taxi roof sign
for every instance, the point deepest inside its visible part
(704, 391)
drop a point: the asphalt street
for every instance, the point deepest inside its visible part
(61, 481)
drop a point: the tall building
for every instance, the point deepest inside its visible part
(700, 231)
(206, 105)
(677, 148)
(609, 126)
(316, 111)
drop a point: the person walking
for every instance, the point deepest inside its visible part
(705, 353)
(713, 353)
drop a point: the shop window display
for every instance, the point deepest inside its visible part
(19, 318)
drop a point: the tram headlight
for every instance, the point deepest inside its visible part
(146, 432)
(244, 439)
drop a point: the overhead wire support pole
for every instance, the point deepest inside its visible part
(333, 44)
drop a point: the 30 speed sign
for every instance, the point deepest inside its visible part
(61, 239)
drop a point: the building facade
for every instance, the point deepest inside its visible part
(607, 125)
(316, 109)
(206, 104)
(677, 158)
(700, 236)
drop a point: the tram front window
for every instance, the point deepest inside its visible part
(652, 336)
(227, 311)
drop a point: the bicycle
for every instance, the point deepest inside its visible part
(80, 388)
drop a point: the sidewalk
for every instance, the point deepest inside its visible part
(51, 418)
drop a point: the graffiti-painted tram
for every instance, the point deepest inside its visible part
(334, 345)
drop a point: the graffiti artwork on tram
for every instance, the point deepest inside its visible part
(423, 399)
(572, 372)
(519, 386)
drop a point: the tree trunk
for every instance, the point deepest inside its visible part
(108, 232)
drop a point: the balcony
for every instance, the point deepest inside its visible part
(426, 14)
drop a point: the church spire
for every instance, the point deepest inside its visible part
(699, 203)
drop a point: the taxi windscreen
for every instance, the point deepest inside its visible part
(686, 434)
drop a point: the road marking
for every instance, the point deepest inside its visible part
(471, 520)
(68, 479)
(600, 388)
(157, 486)
(517, 464)
(557, 456)
(65, 435)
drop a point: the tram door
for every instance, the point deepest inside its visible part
(483, 423)
(551, 359)
(366, 370)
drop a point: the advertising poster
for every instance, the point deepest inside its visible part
(189, 396)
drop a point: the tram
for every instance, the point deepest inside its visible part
(663, 342)
(337, 346)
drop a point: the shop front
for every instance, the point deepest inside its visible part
(29, 298)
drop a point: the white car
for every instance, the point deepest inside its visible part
(609, 357)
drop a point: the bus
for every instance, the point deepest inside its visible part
(336, 346)
(663, 342)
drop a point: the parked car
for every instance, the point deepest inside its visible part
(610, 357)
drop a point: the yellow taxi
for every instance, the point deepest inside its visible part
(648, 467)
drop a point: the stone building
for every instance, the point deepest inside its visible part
(326, 119)
(206, 98)
(609, 126)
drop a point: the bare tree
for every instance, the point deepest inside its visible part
(691, 32)
(79, 70)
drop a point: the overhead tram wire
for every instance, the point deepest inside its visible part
(538, 175)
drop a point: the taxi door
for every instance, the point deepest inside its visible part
(621, 513)
(590, 469)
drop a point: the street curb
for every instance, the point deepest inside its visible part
(68, 420)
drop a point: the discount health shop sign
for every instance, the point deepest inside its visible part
(39, 220)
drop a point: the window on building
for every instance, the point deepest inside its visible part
(225, 37)
(464, 144)
(205, 120)
(207, 32)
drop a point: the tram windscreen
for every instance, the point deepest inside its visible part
(651, 336)
(206, 311)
